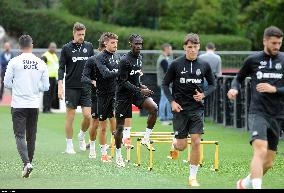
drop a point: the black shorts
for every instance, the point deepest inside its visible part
(75, 97)
(94, 109)
(123, 107)
(105, 106)
(265, 128)
(187, 122)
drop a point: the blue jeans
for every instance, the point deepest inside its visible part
(165, 109)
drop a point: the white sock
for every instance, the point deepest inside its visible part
(147, 134)
(118, 152)
(256, 183)
(103, 149)
(69, 143)
(193, 171)
(92, 145)
(82, 134)
(124, 135)
(246, 181)
(127, 131)
(29, 165)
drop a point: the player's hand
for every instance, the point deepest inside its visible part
(265, 87)
(94, 83)
(232, 94)
(146, 92)
(60, 92)
(142, 86)
(176, 107)
(199, 96)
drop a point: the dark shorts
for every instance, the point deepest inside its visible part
(75, 97)
(187, 122)
(123, 107)
(265, 128)
(94, 109)
(105, 106)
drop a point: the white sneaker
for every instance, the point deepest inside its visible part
(70, 150)
(82, 143)
(146, 143)
(120, 162)
(193, 182)
(27, 170)
(92, 155)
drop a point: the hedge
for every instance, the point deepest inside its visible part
(55, 25)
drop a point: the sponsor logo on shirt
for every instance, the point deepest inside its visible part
(135, 72)
(75, 59)
(261, 75)
(190, 80)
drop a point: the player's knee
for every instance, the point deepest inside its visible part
(154, 110)
(180, 146)
(119, 128)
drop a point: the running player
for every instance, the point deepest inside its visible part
(266, 70)
(131, 91)
(187, 74)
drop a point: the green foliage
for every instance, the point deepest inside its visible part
(52, 25)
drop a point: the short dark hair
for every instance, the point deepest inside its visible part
(272, 31)
(134, 36)
(25, 41)
(191, 37)
(78, 26)
(101, 41)
(210, 46)
(164, 46)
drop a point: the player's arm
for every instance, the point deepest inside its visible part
(86, 75)
(44, 81)
(61, 71)
(236, 83)
(9, 75)
(105, 72)
(168, 79)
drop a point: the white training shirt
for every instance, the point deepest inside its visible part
(27, 76)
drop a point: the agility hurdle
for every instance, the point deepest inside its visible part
(169, 140)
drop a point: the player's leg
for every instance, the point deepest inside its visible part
(126, 141)
(93, 135)
(152, 109)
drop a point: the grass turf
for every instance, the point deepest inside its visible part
(53, 169)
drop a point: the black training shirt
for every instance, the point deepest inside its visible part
(187, 76)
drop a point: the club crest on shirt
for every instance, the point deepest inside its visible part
(198, 72)
(85, 50)
(278, 66)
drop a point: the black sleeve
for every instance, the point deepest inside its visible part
(280, 90)
(105, 72)
(62, 64)
(92, 53)
(168, 79)
(211, 81)
(164, 64)
(86, 75)
(242, 74)
(44, 59)
(123, 77)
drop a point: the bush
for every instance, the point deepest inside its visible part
(53, 25)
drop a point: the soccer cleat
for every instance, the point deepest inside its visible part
(127, 143)
(82, 143)
(240, 185)
(92, 154)
(192, 182)
(70, 150)
(174, 154)
(106, 159)
(146, 143)
(27, 171)
(120, 162)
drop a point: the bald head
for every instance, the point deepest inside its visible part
(7, 47)
(52, 47)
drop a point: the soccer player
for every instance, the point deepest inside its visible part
(131, 91)
(106, 68)
(72, 61)
(27, 76)
(266, 70)
(89, 76)
(187, 74)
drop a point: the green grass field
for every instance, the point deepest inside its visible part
(53, 169)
